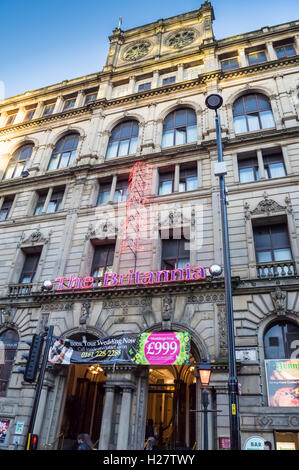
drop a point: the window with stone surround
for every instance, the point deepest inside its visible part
(123, 139)
(30, 266)
(252, 112)
(180, 127)
(50, 204)
(281, 340)
(272, 247)
(64, 152)
(6, 207)
(102, 259)
(9, 341)
(19, 162)
(270, 166)
(175, 253)
(256, 57)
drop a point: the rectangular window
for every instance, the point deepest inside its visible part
(274, 166)
(166, 183)
(104, 193)
(69, 104)
(188, 180)
(257, 57)
(29, 268)
(285, 51)
(6, 207)
(144, 86)
(40, 203)
(175, 253)
(121, 194)
(55, 201)
(54, 204)
(168, 80)
(90, 97)
(11, 119)
(49, 109)
(248, 170)
(272, 243)
(230, 64)
(29, 115)
(102, 260)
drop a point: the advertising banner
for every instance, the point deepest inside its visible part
(163, 348)
(148, 348)
(282, 382)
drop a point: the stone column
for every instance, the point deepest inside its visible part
(113, 186)
(261, 163)
(49, 195)
(242, 57)
(79, 99)
(131, 87)
(155, 81)
(107, 418)
(58, 105)
(271, 51)
(297, 43)
(176, 177)
(124, 419)
(180, 73)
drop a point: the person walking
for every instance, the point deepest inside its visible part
(150, 434)
(84, 442)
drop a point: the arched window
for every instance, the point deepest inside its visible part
(123, 139)
(281, 341)
(8, 347)
(64, 152)
(19, 162)
(252, 113)
(179, 128)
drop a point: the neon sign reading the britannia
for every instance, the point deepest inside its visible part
(132, 278)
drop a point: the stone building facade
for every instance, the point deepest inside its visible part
(66, 154)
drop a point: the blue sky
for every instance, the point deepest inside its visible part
(47, 41)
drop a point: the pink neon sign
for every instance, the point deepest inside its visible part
(132, 278)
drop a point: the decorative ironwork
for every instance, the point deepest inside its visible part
(137, 51)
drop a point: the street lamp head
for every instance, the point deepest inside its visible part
(215, 270)
(214, 101)
(205, 373)
(47, 285)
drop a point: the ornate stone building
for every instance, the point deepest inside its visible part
(66, 154)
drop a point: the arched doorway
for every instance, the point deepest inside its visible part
(171, 399)
(84, 399)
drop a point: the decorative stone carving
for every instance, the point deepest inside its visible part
(267, 206)
(84, 312)
(35, 237)
(5, 316)
(279, 299)
(180, 39)
(137, 51)
(167, 309)
(57, 307)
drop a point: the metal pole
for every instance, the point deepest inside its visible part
(233, 381)
(39, 385)
(205, 403)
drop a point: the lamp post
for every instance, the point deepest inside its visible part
(204, 375)
(214, 102)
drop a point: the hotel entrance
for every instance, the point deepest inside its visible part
(171, 396)
(83, 405)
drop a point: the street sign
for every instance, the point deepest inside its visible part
(254, 443)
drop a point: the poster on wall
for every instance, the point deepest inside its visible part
(169, 348)
(282, 382)
(4, 424)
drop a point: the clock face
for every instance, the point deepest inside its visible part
(181, 39)
(137, 51)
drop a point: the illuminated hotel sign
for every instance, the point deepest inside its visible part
(132, 278)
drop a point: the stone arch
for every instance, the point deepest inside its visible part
(21, 143)
(67, 130)
(124, 116)
(182, 103)
(247, 90)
